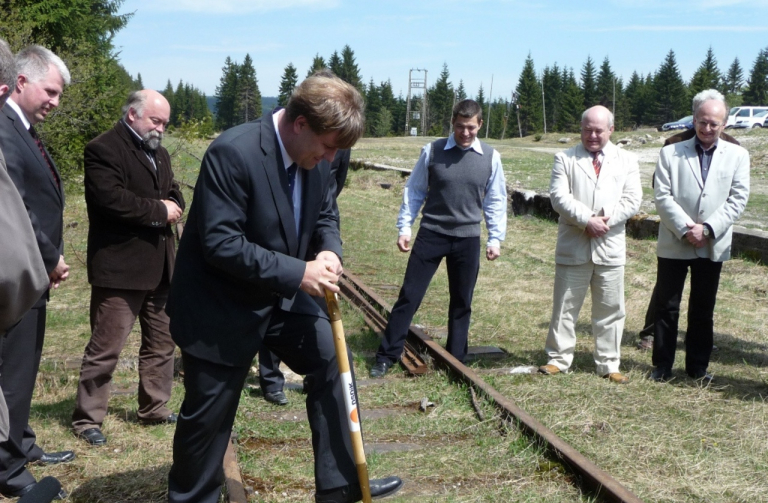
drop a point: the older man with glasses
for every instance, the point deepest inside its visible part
(701, 189)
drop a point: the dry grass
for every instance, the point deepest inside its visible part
(676, 442)
(671, 443)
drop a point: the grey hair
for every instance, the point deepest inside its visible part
(706, 95)
(136, 100)
(7, 65)
(610, 115)
(34, 61)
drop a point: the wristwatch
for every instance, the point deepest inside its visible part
(706, 231)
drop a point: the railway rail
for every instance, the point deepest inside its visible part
(418, 345)
(375, 312)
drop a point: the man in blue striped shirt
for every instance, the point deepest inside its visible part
(459, 180)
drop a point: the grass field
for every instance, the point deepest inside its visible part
(667, 443)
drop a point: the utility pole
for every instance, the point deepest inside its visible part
(417, 83)
(490, 99)
(543, 104)
(517, 108)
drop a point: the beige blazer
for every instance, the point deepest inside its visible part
(682, 197)
(578, 194)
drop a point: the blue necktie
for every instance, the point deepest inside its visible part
(291, 171)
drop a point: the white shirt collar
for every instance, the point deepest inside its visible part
(475, 145)
(275, 120)
(18, 111)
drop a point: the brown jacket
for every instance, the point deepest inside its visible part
(130, 243)
(690, 133)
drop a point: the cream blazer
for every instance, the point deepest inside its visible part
(682, 197)
(578, 194)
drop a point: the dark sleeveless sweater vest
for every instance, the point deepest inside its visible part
(456, 188)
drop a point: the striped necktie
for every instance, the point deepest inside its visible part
(33, 133)
(596, 162)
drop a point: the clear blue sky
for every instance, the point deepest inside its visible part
(190, 39)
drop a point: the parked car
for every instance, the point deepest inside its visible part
(740, 113)
(684, 123)
(757, 120)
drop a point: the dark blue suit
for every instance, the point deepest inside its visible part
(23, 344)
(235, 290)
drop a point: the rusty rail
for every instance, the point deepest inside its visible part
(599, 481)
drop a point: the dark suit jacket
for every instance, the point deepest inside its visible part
(43, 197)
(129, 239)
(239, 257)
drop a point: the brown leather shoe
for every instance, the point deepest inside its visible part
(549, 370)
(616, 377)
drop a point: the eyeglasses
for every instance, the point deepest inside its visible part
(710, 125)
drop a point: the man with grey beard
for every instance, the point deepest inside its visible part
(132, 200)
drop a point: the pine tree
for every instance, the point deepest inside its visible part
(168, 91)
(318, 63)
(706, 76)
(248, 94)
(604, 86)
(734, 80)
(334, 64)
(398, 114)
(373, 107)
(287, 84)
(349, 71)
(180, 104)
(496, 122)
(588, 85)
(481, 101)
(226, 96)
(552, 95)
(529, 99)
(572, 103)
(670, 92)
(633, 95)
(138, 84)
(440, 99)
(756, 92)
(461, 93)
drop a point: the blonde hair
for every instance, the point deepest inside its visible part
(329, 104)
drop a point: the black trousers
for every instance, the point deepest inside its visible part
(19, 361)
(462, 259)
(705, 279)
(271, 379)
(649, 329)
(305, 344)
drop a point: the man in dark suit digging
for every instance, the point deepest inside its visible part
(242, 283)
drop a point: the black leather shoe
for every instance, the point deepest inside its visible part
(661, 374)
(276, 397)
(93, 436)
(380, 488)
(49, 488)
(380, 369)
(172, 418)
(701, 375)
(54, 458)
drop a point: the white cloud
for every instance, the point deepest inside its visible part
(678, 28)
(238, 6)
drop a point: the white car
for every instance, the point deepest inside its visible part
(757, 120)
(742, 113)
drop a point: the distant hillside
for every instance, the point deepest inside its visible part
(267, 103)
